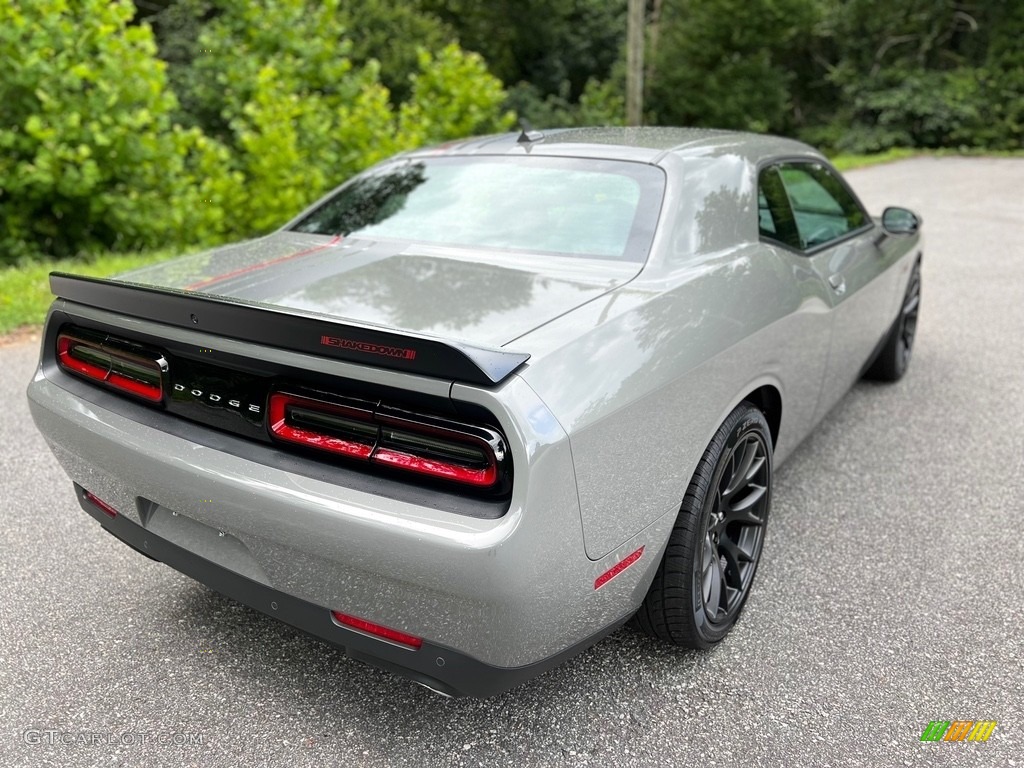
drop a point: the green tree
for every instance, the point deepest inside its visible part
(89, 157)
(557, 46)
(393, 32)
(729, 63)
(452, 95)
(999, 122)
(177, 29)
(388, 31)
(299, 116)
(601, 103)
(920, 73)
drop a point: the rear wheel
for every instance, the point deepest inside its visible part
(892, 361)
(705, 576)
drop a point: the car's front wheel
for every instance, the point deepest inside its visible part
(712, 555)
(894, 357)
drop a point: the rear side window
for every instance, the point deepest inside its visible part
(567, 207)
(805, 205)
(765, 220)
(775, 214)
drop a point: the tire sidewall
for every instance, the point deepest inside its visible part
(902, 360)
(741, 424)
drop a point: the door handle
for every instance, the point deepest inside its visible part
(838, 283)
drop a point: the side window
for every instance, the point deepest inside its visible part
(823, 208)
(775, 216)
(765, 222)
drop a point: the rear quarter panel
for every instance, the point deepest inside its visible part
(640, 379)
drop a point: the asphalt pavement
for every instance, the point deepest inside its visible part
(891, 593)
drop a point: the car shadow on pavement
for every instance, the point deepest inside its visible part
(261, 649)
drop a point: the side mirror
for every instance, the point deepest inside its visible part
(900, 221)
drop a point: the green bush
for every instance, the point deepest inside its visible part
(1000, 84)
(393, 32)
(275, 112)
(453, 95)
(921, 74)
(912, 108)
(557, 46)
(89, 158)
(298, 116)
(601, 103)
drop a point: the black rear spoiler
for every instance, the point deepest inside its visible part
(293, 330)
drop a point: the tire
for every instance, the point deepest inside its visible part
(894, 357)
(706, 573)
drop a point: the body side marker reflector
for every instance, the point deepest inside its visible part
(618, 568)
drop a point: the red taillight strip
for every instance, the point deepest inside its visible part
(66, 346)
(479, 477)
(618, 568)
(280, 428)
(354, 622)
(86, 369)
(135, 387)
(99, 503)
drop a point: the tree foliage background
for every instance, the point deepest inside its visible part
(178, 122)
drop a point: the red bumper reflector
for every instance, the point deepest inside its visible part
(376, 629)
(100, 504)
(618, 568)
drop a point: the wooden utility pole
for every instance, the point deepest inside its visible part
(635, 61)
(651, 54)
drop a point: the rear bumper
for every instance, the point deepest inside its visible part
(504, 598)
(442, 669)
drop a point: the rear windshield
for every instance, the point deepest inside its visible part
(568, 207)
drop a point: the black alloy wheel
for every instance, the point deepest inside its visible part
(734, 532)
(705, 576)
(894, 356)
(908, 317)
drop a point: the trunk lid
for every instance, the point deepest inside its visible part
(482, 297)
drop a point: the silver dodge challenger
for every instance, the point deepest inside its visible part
(485, 402)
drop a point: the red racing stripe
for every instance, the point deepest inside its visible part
(261, 265)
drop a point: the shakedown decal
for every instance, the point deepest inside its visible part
(958, 730)
(373, 349)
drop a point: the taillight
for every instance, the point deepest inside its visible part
(105, 363)
(386, 633)
(345, 430)
(427, 445)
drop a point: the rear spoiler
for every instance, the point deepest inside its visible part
(293, 330)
